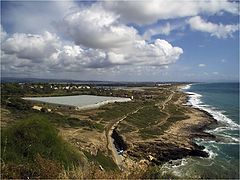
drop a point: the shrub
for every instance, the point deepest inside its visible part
(30, 143)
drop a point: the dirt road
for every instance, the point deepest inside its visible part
(119, 159)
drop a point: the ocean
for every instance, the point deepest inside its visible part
(221, 100)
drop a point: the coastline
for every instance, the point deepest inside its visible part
(223, 147)
(178, 141)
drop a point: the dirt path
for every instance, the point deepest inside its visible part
(162, 108)
(119, 159)
(167, 100)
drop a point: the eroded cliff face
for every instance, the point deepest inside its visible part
(159, 152)
(118, 141)
(176, 142)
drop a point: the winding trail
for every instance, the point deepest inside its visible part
(119, 159)
(166, 101)
(162, 108)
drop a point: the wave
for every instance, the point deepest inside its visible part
(176, 163)
(195, 101)
(212, 155)
(188, 86)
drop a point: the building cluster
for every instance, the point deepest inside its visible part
(55, 86)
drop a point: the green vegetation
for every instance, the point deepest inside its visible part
(177, 113)
(31, 147)
(145, 117)
(150, 132)
(155, 172)
(31, 142)
(117, 110)
(106, 162)
(87, 124)
(16, 103)
(123, 127)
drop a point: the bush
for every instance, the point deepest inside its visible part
(31, 142)
(19, 104)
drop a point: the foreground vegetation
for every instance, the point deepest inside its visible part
(32, 147)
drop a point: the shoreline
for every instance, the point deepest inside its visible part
(178, 142)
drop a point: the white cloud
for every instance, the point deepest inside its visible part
(215, 73)
(46, 52)
(35, 17)
(31, 46)
(201, 65)
(147, 12)
(99, 40)
(3, 34)
(218, 30)
(97, 28)
(166, 29)
(158, 53)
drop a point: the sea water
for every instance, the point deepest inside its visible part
(221, 100)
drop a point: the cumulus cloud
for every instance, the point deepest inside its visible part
(97, 28)
(165, 29)
(3, 34)
(31, 46)
(158, 53)
(146, 12)
(94, 38)
(201, 65)
(47, 52)
(35, 17)
(218, 30)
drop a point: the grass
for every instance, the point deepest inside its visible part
(125, 128)
(145, 117)
(29, 144)
(150, 132)
(116, 110)
(177, 113)
(106, 162)
(75, 122)
(58, 119)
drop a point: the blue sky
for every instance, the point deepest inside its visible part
(121, 41)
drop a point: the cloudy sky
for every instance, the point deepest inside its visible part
(123, 40)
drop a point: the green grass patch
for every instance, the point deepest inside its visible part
(116, 110)
(75, 122)
(150, 132)
(22, 142)
(125, 128)
(61, 120)
(175, 110)
(101, 159)
(145, 117)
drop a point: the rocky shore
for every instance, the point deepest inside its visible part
(178, 141)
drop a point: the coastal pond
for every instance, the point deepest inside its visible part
(79, 101)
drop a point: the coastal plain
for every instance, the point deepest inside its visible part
(155, 127)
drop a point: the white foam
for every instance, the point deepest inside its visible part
(175, 163)
(212, 155)
(195, 101)
(188, 86)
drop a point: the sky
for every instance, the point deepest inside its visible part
(154, 40)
